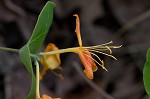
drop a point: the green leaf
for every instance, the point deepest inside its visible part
(41, 28)
(146, 73)
(26, 59)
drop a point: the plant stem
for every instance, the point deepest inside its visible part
(91, 83)
(74, 49)
(9, 49)
(37, 80)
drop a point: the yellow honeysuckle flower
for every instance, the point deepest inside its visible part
(50, 61)
(47, 97)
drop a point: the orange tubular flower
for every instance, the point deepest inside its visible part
(47, 97)
(50, 61)
(50, 58)
(85, 53)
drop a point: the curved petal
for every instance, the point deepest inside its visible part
(77, 30)
(88, 67)
(89, 60)
(50, 61)
(47, 97)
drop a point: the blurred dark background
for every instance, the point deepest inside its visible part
(126, 22)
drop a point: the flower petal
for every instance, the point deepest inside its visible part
(50, 61)
(90, 61)
(77, 30)
(88, 68)
(47, 97)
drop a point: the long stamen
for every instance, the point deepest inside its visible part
(110, 51)
(103, 53)
(99, 48)
(102, 65)
(102, 49)
(116, 46)
(103, 44)
(107, 43)
(100, 61)
(93, 54)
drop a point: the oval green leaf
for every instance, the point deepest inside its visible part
(41, 28)
(146, 73)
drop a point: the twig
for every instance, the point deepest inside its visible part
(133, 22)
(10, 5)
(91, 83)
(9, 49)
